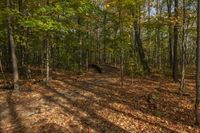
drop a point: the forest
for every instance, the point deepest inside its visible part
(99, 66)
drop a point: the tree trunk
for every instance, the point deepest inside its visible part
(149, 31)
(104, 38)
(175, 61)
(122, 68)
(140, 47)
(98, 52)
(122, 48)
(169, 4)
(47, 59)
(20, 5)
(158, 46)
(80, 53)
(183, 49)
(12, 47)
(80, 47)
(2, 72)
(198, 67)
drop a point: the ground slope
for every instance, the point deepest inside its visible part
(96, 103)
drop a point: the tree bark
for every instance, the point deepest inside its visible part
(183, 49)
(198, 67)
(12, 48)
(98, 52)
(2, 72)
(104, 38)
(158, 46)
(175, 61)
(122, 48)
(47, 59)
(140, 47)
(149, 31)
(169, 7)
(80, 47)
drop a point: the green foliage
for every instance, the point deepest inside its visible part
(134, 68)
(100, 25)
(44, 23)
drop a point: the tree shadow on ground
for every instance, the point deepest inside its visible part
(105, 104)
(15, 119)
(2, 109)
(166, 107)
(92, 119)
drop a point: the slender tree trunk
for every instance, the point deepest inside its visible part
(175, 61)
(158, 37)
(169, 6)
(22, 46)
(20, 5)
(198, 67)
(104, 39)
(122, 68)
(2, 72)
(183, 49)
(9, 58)
(12, 47)
(43, 62)
(80, 54)
(98, 46)
(47, 59)
(87, 60)
(80, 47)
(140, 47)
(47, 54)
(121, 42)
(149, 31)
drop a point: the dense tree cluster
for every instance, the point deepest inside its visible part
(70, 34)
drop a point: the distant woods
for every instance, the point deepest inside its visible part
(138, 37)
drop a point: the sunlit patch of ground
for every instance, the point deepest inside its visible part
(96, 103)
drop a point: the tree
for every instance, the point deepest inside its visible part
(183, 47)
(198, 67)
(158, 38)
(169, 6)
(175, 61)
(138, 39)
(47, 58)
(12, 48)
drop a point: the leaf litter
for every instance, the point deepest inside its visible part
(93, 103)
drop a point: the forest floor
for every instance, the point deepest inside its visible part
(95, 102)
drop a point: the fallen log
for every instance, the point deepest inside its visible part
(95, 67)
